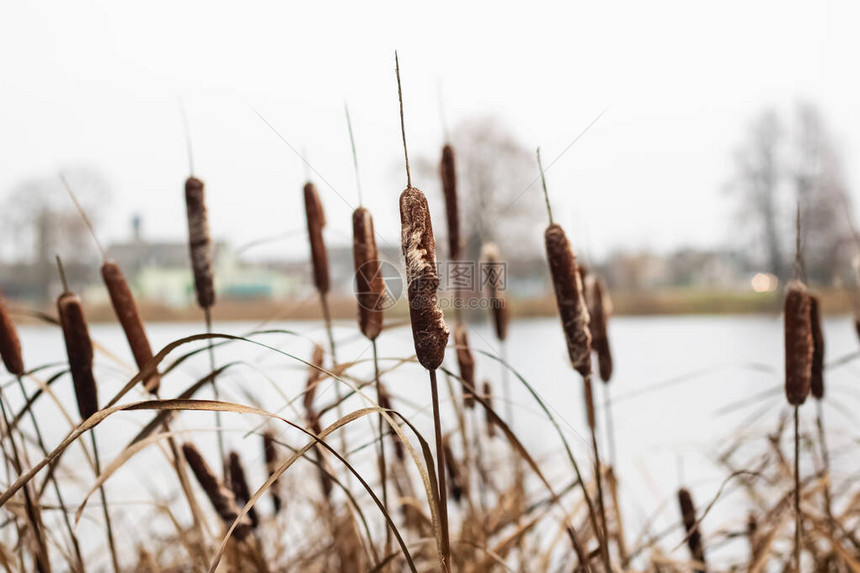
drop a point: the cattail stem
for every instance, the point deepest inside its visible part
(354, 154)
(798, 524)
(383, 469)
(825, 456)
(598, 476)
(105, 510)
(331, 346)
(610, 425)
(53, 479)
(440, 463)
(207, 315)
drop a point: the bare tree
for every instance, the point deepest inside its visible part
(494, 171)
(40, 221)
(757, 179)
(778, 169)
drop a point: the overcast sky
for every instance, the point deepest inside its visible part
(96, 83)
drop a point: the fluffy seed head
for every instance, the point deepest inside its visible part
(316, 222)
(816, 381)
(370, 286)
(567, 284)
(129, 318)
(10, 344)
(448, 173)
(798, 343)
(79, 349)
(221, 498)
(429, 332)
(199, 241)
(466, 362)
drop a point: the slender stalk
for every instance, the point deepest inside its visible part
(598, 471)
(53, 479)
(211, 350)
(610, 424)
(825, 456)
(440, 463)
(108, 525)
(331, 345)
(383, 469)
(42, 563)
(798, 522)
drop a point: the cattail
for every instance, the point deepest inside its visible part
(498, 304)
(314, 377)
(239, 485)
(597, 325)
(325, 478)
(126, 312)
(455, 479)
(10, 344)
(419, 249)
(816, 381)
(199, 241)
(448, 173)
(467, 365)
(370, 286)
(569, 298)
(798, 343)
(488, 411)
(221, 498)
(271, 456)
(316, 222)
(79, 348)
(385, 402)
(691, 527)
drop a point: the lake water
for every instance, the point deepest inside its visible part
(683, 389)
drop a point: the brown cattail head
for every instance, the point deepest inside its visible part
(369, 284)
(10, 344)
(314, 377)
(798, 343)
(466, 362)
(199, 241)
(569, 297)
(79, 348)
(489, 416)
(271, 455)
(419, 249)
(456, 483)
(326, 483)
(126, 312)
(691, 527)
(221, 498)
(239, 485)
(448, 173)
(385, 402)
(598, 318)
(316, 222)
(816, 380)
(498, 304)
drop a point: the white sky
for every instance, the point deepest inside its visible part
(96, 83)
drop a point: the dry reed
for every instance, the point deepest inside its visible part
(315, 375)
(221, 498)
(370, 286)
(199, 242)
